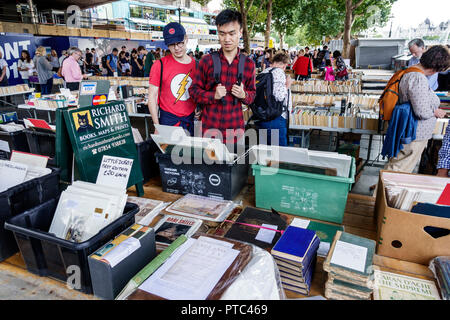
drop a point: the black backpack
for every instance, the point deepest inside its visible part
(104, 59)
(266, 107)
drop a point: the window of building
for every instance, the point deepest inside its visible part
(135, 11)
(160, 14)
(148, 13)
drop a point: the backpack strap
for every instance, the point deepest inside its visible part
(217, 66)
(241, 67)
(160, 81)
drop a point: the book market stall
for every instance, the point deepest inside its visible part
(168, 216)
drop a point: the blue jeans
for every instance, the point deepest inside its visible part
(279, 124)
(169, 119)
(46, 88)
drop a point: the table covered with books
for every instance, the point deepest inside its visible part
(263, 222)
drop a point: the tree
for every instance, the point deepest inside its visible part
(342, 18)
(252, 13)
(285, 18)
(369, 12)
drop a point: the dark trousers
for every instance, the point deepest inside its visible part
(46, 88)
(169, 119)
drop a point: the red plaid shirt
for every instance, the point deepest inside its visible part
(218, 115)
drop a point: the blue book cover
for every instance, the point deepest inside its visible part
(297, 245)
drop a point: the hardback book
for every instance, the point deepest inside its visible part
(441, 268)
(170, 227)
(294, 268)
(367, 283)
(337, 295)
(302, 277)
(297, 245)
(306, 284)
(348, 288)
(392, 286)
(246, 226)
(351, 256)
(324, 231)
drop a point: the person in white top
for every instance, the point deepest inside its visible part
(3, 69)
(281, 87)
(25, 66)
(64, 55)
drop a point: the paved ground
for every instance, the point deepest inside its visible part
(18, 284)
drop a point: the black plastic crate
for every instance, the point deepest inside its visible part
(42, 143)
(16, 141)
(21, 198)
(219, 180)
(46, 255)
(146, 155)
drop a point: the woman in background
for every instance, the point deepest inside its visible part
(341, 67)
(25, 66)
(44, 70)
(54, 61)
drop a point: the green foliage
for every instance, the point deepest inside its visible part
(285, 16)
(325, 18)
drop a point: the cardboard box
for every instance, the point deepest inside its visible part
(401, 234)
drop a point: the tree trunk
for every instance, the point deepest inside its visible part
(268, 23)
(245, 34)
(347, 28)
(281, 35)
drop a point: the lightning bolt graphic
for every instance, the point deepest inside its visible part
(182, 88)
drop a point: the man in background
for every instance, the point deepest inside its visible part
(417, 48)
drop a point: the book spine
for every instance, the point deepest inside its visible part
(158, 261)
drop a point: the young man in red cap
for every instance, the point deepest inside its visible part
(222, 99)
(170, 79)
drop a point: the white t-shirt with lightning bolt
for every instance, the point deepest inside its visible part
(176, 80)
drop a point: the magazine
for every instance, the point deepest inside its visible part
(148, 209)
(202, 207)
(170, 227)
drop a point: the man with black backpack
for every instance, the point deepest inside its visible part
(270, 108)
(223, 81)
(109, 62)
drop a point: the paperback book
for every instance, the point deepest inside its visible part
(170, 227)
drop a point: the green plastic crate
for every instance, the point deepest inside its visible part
(304, 194)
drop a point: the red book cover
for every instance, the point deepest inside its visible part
(38, 123)
(444, 199)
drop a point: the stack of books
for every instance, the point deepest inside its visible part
(350, 269)
(295, 254)
(320, 86)
(362, 101)
(14, 89)
(322, 118)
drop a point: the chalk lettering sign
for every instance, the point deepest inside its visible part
(114, 171)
